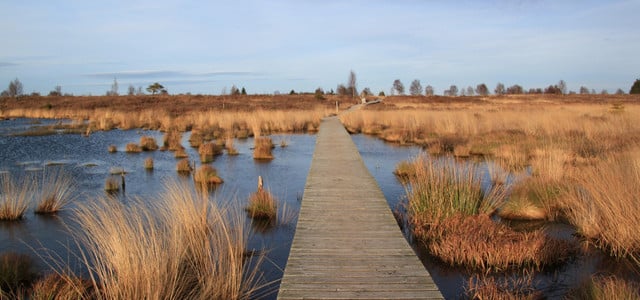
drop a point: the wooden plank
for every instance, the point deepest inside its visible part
(347, 243)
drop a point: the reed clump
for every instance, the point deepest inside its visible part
(16, 274)
(230, 146)
(182, 246)
(148, 163)
(262, 205)
(606, 287)
(148, 143)
(112, 184)
(208, 176)
(58, 190)
(172, 140)
(180, 153)
(262, 148)
(132, 148)
(61, 286)
(489, 287)
(184, 166)
(442, 188)
(603, 205)
(15, 197)
(208, 151)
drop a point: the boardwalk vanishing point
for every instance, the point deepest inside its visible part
(347, 243)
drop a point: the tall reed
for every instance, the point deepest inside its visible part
(181, 247)
(605, 204)
(442, 188)
(58, 190)
(15, 197)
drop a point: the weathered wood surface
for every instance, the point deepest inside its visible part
(347, 243)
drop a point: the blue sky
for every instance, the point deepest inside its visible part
(279, 45)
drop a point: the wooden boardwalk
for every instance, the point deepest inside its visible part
(347, 243)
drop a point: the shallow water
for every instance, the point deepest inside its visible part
(89, 162)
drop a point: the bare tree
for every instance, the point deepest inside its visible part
(619, 92)
(416, 88)
(515, 89)
(453, 90)
(352, 85)
(57, 91)
(114, 88)
(482, 89)
(584, 90)
(428, 91)
(139, 92)
(367, 91)
(342, 90)
(562, 86)
(131, 90)
(499, 89)
(469, 91)
(398, 87)
(604, 92)
(15, 89)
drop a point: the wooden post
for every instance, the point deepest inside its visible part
(122, 179)
(259, 183)
(337, 110)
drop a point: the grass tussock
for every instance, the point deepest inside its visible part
(132, 148)
(112, 184)
(61, 286)
(479, 243)
(208, 151)
(148, 163)
(184, 166)
(181, 247)
(207, 175)
(443, 188)
(58, 190)
(262, 205)
(230, 146)
(606, 287)
(508, 288)
(148, 143)
(112, 149)
(262, 148)
(15, 197)
(16, 274)
(172, 140)
(603, 205)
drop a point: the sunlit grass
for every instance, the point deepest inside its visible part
(15, 197)
(58, 190)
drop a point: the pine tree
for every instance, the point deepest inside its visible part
(635, 89)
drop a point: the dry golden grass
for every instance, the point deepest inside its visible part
(606, 287)
(181, 246)
(58, 190)
(15, 197)
(442, 188)
(207, 175)
(17, 273)
(184, 166)
(148, 163)
(208, 151)
(113, 149)
(603, 205)
(262, 205)
(133, 148)
(230, 146)
(172, 140)
(180, 153)
(509, 288)
(148, 143)
(262, 148)
(61, 287)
